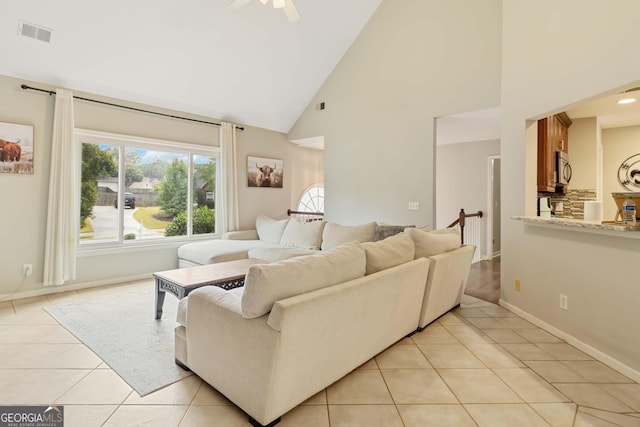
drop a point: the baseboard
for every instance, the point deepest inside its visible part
(580, 345)
(48, 290)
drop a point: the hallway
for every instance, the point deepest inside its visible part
(484, 280)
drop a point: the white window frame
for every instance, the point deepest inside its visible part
(127, 141)
(307, 191)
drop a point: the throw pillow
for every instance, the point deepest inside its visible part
(307, 235)
(267, 283)
(387, 253)
(383, 231)
(434, 242)
(270, 230)
(336, 234)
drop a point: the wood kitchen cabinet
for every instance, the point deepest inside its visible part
(553, 136)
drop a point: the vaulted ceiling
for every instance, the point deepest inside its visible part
(250, 66)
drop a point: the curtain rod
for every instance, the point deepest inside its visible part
(53, 92)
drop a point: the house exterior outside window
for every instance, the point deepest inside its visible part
(136, 190)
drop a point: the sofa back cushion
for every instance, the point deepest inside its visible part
(267, 283)
(270, 230)
(382, 231)
(387, 253)
(429, 243)
(335, 234)
(299, 234)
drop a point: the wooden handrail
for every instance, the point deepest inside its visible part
(292, 212)
(461, 222)
(306, 216)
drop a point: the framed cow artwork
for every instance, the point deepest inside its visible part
(262, 172)
(16, 148)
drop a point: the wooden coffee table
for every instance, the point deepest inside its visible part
(182, 281)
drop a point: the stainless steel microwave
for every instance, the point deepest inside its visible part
(563, 168)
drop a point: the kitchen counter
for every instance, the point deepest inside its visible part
(625, 231)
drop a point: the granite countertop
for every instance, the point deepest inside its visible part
(619, 230)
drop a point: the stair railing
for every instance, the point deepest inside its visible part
(462, 216)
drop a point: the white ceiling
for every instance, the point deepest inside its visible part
(610, 114)
(249, 66)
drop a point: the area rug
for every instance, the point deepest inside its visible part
(123, 332)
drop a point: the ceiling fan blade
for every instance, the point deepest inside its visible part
(291, 11)
(237, 4)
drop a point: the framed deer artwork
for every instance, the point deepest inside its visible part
(16, 148)
(262, 172)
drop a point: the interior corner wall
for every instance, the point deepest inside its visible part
(410, 64)
(302, 167)
(465, 168)
(554, 57)
(25, 197)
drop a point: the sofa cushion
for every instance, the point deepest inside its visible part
(267, 283)
(434, 242)
(387, 253)
(301, 234)
(212, 251)
(278, 254)
(382, 231)
(335, 234)
(270, 230)
(181, 315)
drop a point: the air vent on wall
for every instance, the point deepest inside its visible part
(34, 31)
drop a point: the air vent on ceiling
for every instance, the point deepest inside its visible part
(34, 31)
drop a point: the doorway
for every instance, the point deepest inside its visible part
(463, 144)
(493, 208)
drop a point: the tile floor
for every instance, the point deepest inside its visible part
(479, 365)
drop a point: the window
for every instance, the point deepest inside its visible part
(140, 189)
(312, 199)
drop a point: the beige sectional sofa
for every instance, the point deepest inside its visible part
(299, 324)
(273, 240)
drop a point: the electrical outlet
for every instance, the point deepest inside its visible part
(564, 302)
(517, 285)
(414, 206)
(27, 270)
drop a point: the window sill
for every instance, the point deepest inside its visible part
(98, 249)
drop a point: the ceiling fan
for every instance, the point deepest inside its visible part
(287, 5)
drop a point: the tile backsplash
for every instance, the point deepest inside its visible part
(572, 202)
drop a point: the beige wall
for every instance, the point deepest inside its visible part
(554, 57)
(24, 197)
(583, 153)
(618, 145)
(414, 61)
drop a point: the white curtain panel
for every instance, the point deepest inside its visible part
(63, 219)
(229, 188)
